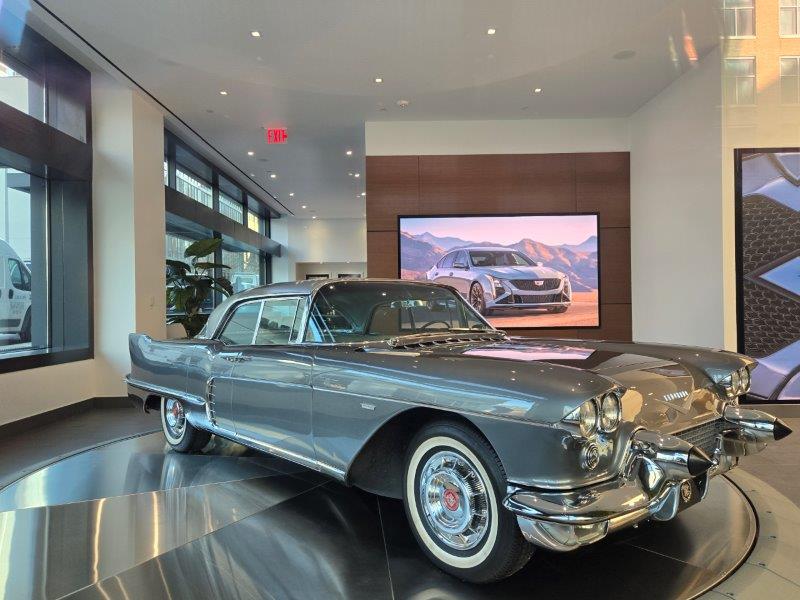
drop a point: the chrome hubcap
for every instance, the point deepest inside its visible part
(453, 499)
(175, 417)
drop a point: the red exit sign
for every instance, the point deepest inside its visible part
(277, 135)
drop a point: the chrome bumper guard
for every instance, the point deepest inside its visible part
(662, 475)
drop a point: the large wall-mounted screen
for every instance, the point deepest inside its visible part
(519, 271)
(768, 265)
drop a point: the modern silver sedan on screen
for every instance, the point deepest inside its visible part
(496, 445)
(500, 278)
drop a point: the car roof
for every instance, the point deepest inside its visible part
(490, 248)
(288, 288)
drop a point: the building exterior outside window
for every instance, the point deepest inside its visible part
(789, 17)
(739, 18)
(255, 222)
(740, 80)
(193, 187)
(790, 79)
(231, 208)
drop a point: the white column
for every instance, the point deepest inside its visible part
(128, 223)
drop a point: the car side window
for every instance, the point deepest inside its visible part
(241, 327)
(460, 258)
(447, 261)
(19, 276)
(279, 321)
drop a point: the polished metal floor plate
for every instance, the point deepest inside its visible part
(133, 519)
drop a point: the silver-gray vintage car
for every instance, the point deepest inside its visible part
(496, 445)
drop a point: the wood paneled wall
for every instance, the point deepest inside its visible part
(511, 183)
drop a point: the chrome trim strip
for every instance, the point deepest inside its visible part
(162, 391)
(293, 456)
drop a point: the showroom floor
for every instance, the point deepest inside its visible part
(233, 523)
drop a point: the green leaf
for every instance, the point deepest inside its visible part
(210, 265)
(202, 248)
(223, 285)
(178, 266)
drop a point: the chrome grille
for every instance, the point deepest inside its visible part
(212, 417)
(530, 284)
(703, 436)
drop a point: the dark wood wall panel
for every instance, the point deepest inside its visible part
(508, 184)
(392, 189)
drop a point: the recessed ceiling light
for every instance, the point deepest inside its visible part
(349, 153)
(291, 194)
(363, 193)
(252, 174)
(255, 33)
(314, 217)
(491, 31)
(223, 92)
(304, 207)
(403, 103)
(379, 80)
(350, 173)
(250, 153)
(357, 175)
(537, 90)
(273, 175)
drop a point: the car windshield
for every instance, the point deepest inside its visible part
(499, 258)
(357, 311)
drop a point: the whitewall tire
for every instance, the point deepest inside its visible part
(179, 433)
(453, 489)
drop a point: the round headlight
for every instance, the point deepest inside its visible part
(745, 379)
(736, 383)
(588, 418)
(610, 413)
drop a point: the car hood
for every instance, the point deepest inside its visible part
(519, 272)
(667, 388)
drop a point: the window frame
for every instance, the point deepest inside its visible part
(796, 78)
(735, 78)
(736, 10)
(796, 10)
(301, 315)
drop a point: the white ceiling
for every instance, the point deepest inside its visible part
(313, 70)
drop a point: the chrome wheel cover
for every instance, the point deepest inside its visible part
(476, 297)
(453, 500)
(174, 417)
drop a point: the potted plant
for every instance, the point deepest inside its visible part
(190, 284)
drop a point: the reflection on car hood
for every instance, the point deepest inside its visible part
(668, 388)
(519, 272)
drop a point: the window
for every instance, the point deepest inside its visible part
(790, 79)
(255, 222)
(790, 17)
(19, 275)
(460, 260)
(193, 187)
(279, 321)
(241, 327)
(366, 312)
(497, 258)
(231, 208)
(21, 87)
(740, 81)
(447, 261)
(245, 269)
(739, 18)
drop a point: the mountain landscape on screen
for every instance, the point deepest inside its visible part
(420, 252)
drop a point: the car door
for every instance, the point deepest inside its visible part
(18, 291)
(5, 304)
(272, 381)
(442, 272)
(460, 274)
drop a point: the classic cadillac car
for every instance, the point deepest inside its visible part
(499, 278)
(496, 445)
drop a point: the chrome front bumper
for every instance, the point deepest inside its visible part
(662, 475)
